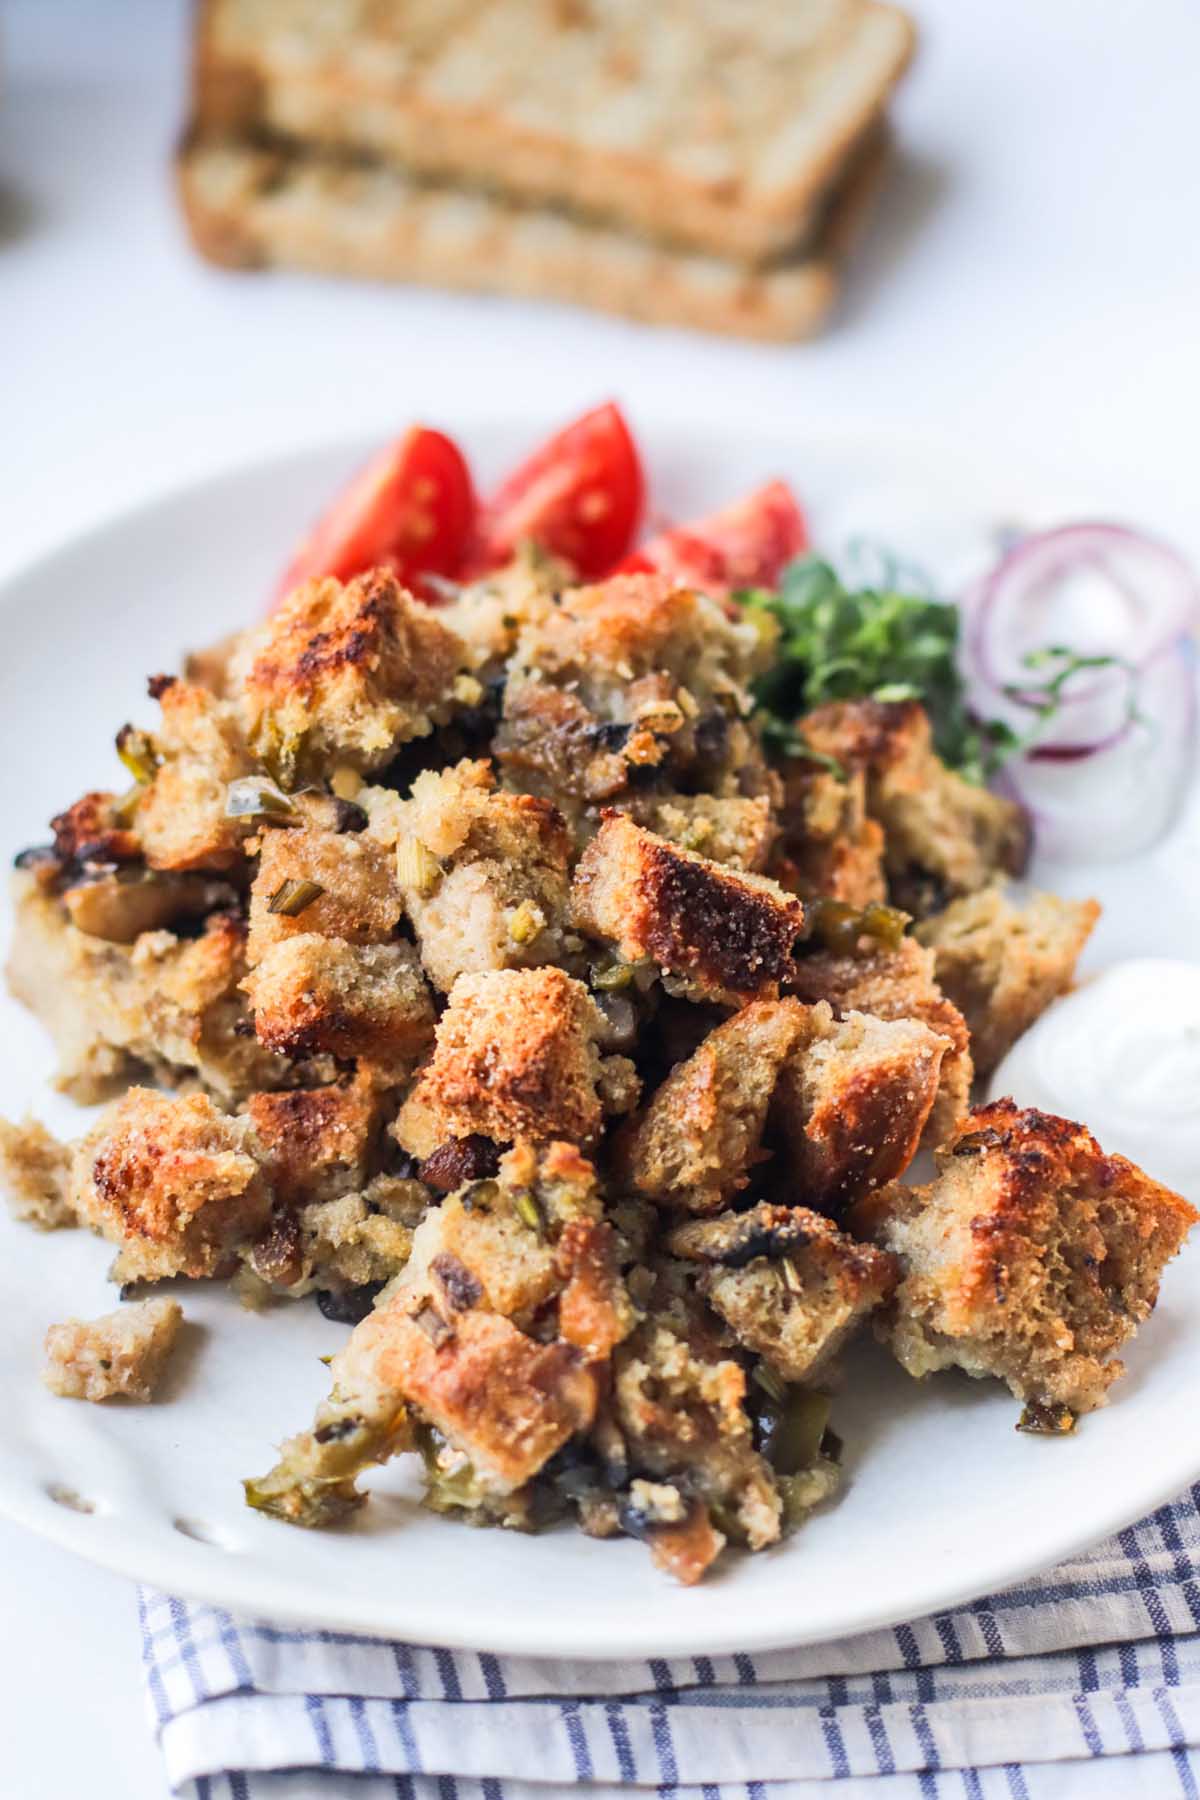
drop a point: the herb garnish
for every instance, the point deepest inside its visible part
(886, 642)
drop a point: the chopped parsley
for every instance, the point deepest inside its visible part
(887, 642)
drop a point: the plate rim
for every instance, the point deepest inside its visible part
(212, 1574)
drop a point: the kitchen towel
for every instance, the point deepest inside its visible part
(1085, 1681)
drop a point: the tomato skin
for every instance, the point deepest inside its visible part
(411, 509)
(748, 544)
(579, 496)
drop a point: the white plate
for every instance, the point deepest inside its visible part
(943, 1499)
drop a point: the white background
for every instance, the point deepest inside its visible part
(1032, 284)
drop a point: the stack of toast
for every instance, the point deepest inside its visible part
(703, 163)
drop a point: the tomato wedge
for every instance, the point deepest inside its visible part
(411, 509)
(579, 497)
(748, 544)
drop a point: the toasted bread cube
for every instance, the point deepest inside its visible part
(680, 1409)
(702, 1129)
(483, 874)
(729, 829)
(316, 1143)
(367, 1001)
(359, 900)
(91, 831)
(35, 1171)
(788, 1283)
(124, 1353)
(173, 1182)
(344, 675)
(181, 819)
(897, 984)
(516, 1057)
(504, 1400)
(829, 848)
(1003, 964)
(852, 1101)
(717, 933)
(944, 836)
(1032, 1257)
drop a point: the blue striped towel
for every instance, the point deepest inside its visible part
(1083, 1682)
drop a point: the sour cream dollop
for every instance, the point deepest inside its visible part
(1122, 1055)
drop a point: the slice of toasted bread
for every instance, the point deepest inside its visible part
(720, 125)
(254, 208)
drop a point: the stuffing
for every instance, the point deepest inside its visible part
(124, 1353)
(180, 816)
(505, 1401)
(483, 874)
(489, 615)
(897, 984)
(121, 904)
(681, 1411)
(943, 835)
(167, 1005)
(1032, 1257)
(828, 847)
(516, 1056)
(787, 1282)
(316, 1143)
(358, 899)
(93, 831)
(851, 1102)
(313, 994)
(702, 1129)
(345, 1246)
(1002, 964)
(35, 1175)
(173, 1182)
(716, 933)
(444, 1354)
(625, 678)
(343, 674)
(732, 829)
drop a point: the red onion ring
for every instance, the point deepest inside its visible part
(1158, 588)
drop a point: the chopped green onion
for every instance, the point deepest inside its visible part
(528, 1211)
(291, 897)
(257, 797)
(136, 750)
(770, 1382)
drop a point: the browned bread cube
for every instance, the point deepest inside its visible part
(313, 994)
(717, 933)
(173, 1182)
(897, 984)
(483, 873)
(828, 846)
(358, 902)
(343, 675)
(701, 1131)
(181, 819)
(852, 1101)
(943, 835)
(1033, 1257)
(1003, 964)
(788, 1283)
(516, 1056)
(124, 1353)
(315, 1143)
